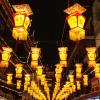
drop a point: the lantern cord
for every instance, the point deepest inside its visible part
(63, 31)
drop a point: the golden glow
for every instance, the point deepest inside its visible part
(75, 8)
(97, 70)
(6, 54)
(25, 8)
(18, 70)
(85, 80)
(78, 70)
(4, 64)
(39, 70)
(62, 53)
(71, 78)
(34, 64)
(63, 63)
(20, 33)
(25, 87)
(9, 78)
(35, 53)
(73, 88)
(18, 84)
(77, 34)
(78, 85)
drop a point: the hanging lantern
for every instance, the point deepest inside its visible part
(18, 84)
(35, 53)
(25, 87)
(78, 85)
(39, 71)
(91, 56)
(9, 78)
(71, 79)
(76, 21)
(63, 53)
(19, 69)
(34, 64)
(6, 54)
(78, 70)
(97, 70)
(27, 79)
(73, 88)
(22, 22)
(85, 80)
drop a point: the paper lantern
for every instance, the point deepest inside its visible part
(18, 84)
(85, 80)
(27, 79)
(39, 70)
(6, 54)
(62, 53)
(91, 53)
(35, 53)
(71, 78)
(76, 34)
(78, 70)
(76, 22)
(18, 70)
(78, 85)
(22, 22)
(9, 78)
(97, 70)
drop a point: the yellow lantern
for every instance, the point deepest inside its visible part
(63, 63)
(22, 22)
(85, 80)
(27, 78)
(25, 87)
(9, 78)
(76, 34)
(76, 21)
(34, 64)
(91, 56)
(19, 69)
(97, 70)
(78, 70)
(78, 85)
(58, 69)
(39, 70)
(18, 84)
(73, 88)
(35, 53)
(91, 53)
(43, 79)
(6, 54)
(62, 53)
(71, 78)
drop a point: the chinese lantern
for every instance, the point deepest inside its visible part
(18, 70)
(85, 80)
(76, 22)
(6, 54)
(25, 87)
(27, 79)
(22, 22)
(9, 78)
(35, 53)
(18, 84)
(91, 56)
(97, 70)
(74, 88)
(78, 70)
(39, 71)
(78, 85)
(71, 79)
(62, 53)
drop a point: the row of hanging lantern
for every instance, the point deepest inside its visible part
(41, 77)
(58, 76)
(21, 21)
(76, 22)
